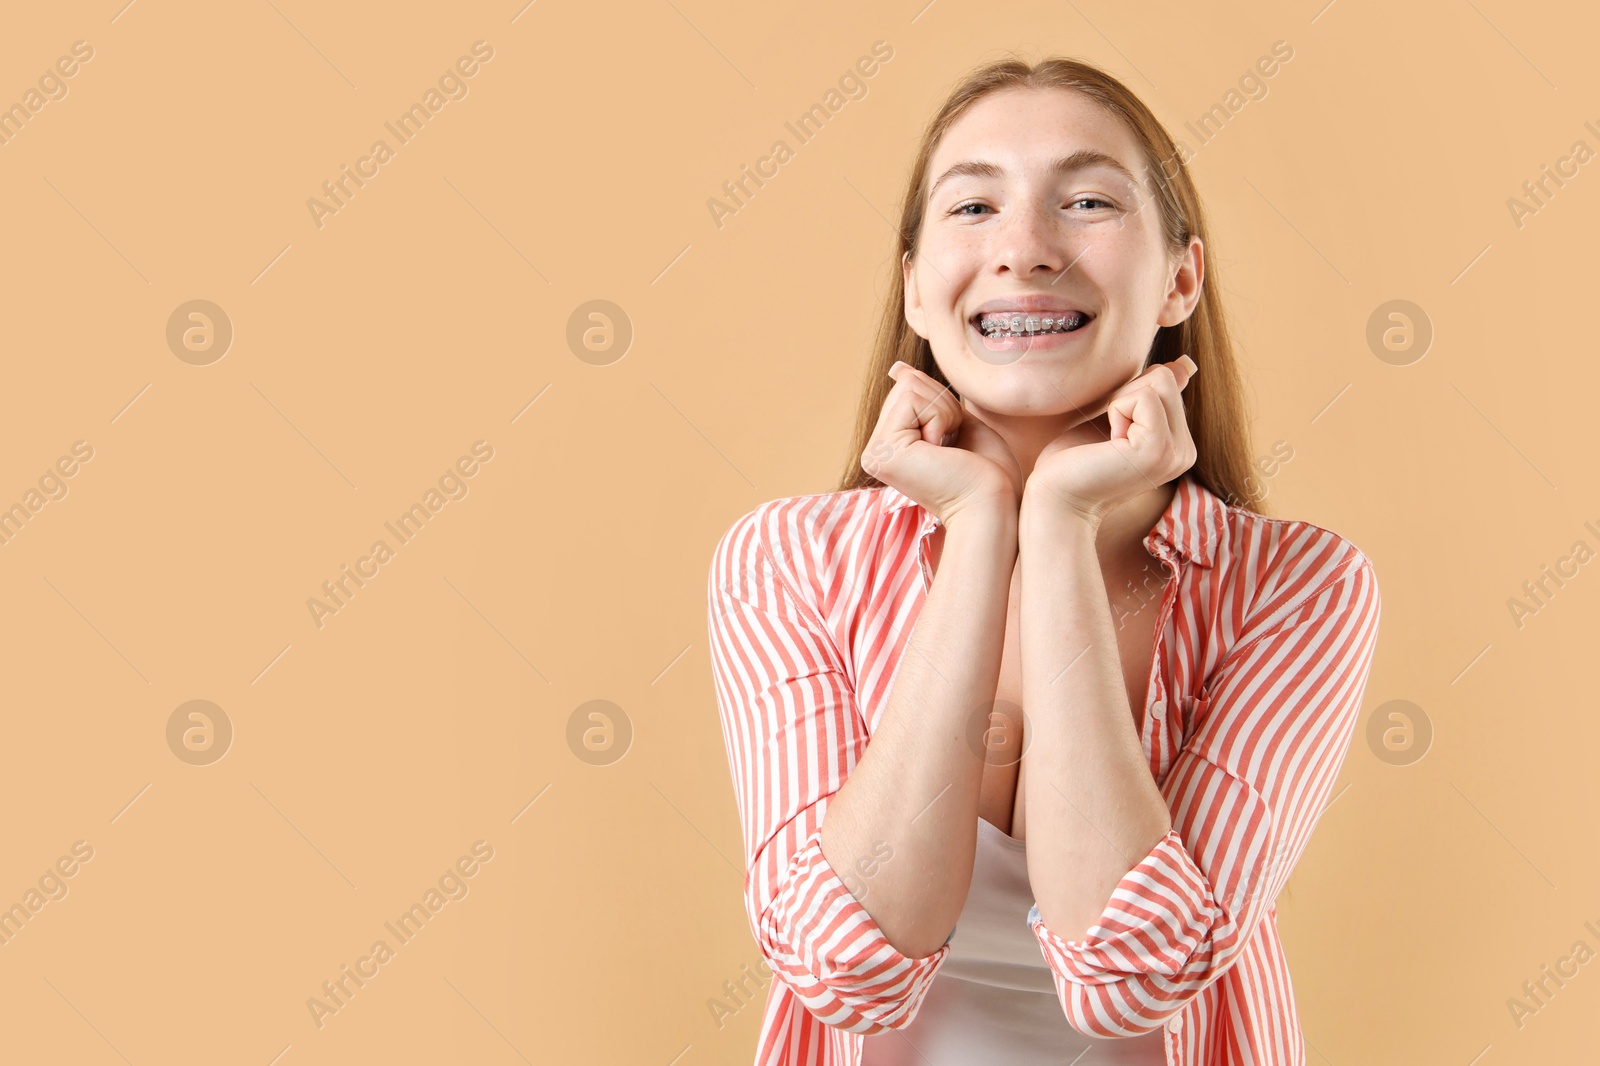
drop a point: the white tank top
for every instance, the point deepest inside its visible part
(994, 1000)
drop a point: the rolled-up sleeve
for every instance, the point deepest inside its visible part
(793, 734)
(1265, 744)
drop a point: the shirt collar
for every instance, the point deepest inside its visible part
(1192, 525)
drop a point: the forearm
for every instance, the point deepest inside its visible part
(1093, 808)
(916, 785)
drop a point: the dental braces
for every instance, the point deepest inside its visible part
(1029, 324)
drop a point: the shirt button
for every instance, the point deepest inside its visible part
(1175, 1025)
(1158, 709)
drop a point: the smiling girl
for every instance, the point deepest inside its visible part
(982, 821)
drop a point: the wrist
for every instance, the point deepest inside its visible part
(993, 523)
(998, 511)
(1045, 512)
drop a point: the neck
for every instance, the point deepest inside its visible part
(1123, 529)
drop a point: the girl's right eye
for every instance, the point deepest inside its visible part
(961, 208)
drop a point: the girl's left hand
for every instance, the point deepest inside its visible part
(1150, 445)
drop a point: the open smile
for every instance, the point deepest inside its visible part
(1005, 329)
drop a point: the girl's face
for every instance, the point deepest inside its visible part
(1039, 207)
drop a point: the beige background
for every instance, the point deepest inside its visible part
(431, 311)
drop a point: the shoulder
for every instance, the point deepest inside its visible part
(793, 533)
(1279, 564)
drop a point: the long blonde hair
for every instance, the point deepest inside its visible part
(1213, 401)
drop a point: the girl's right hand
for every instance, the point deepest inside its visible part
(935, 452)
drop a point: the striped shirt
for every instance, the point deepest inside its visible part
(1266, 632)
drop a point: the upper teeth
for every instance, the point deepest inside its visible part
(1018, 322)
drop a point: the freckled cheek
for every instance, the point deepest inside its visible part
(1107, 245)
(950, 272)
(956, 260)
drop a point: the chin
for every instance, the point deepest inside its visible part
(1027, 390)
(1037, 398)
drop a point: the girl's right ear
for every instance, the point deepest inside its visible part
(913, 299)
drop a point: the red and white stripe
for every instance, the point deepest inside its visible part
(1262, 655)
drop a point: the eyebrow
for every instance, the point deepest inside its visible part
(1082, 159)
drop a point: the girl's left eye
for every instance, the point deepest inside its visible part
(1092, 200)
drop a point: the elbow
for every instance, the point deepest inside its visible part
(881, 1017)
(1110, 1002)
(1093, 1012)
(856, 982)
(849, 1004)
(822, 943)
(1134, 978)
